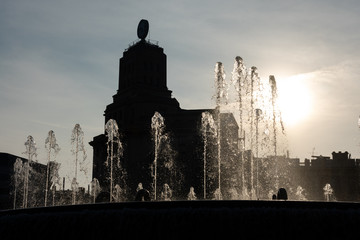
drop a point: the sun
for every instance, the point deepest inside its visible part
(294, 99)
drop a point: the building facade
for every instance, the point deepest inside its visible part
(142, 91)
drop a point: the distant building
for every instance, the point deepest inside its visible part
(341, 172)
(37, 176)
(12, 186)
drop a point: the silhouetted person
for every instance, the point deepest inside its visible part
(282, 194)
(273, 197)
(142, 194)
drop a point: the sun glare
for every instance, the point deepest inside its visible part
(294, 99)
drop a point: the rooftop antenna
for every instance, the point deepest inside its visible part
(313, 152)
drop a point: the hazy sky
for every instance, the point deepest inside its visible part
(59, 64)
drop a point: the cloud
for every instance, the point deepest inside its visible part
(337, 88)
(332, 125)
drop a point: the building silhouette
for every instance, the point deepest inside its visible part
(341, 172)
(11, 194)
(37, 178)
(142, 90)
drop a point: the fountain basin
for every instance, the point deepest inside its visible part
(184, 219)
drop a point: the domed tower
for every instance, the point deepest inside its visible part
(142, 90)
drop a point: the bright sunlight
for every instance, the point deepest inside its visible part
(294, 99)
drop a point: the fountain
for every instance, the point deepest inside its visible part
(163, 168)
(258, 119)
(239, 75)
(258, 113)
(208, 129)
(217, 194)
(54, 179)
(113, 136)
(273, 103)
(117, 193)
(50, 144)
(158, 127)
(74, 190)
(328, 192)
(191, 195)
(77, 141)
(253, 107)
(95, 189)
(166, 193)
(276, 114)
(258, 141)
(300, 194)
(221, 93)
(30, 146)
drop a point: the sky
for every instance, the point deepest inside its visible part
(59, 65)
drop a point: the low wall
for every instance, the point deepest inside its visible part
(185, 219)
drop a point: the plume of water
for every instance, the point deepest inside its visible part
(220, 84)
(208, 129)
(300, 194)
(95, 189)
(328, 192)
(166, 193)
(77, 142)
(117, 193)
(239, 75)
(112, 131)
(273, 103)
(50, 144)
(191, 195)
(217, 194)
(249, 92)
(158, 128)
(30, 152)
(258, 113)
(74, 189)
(254, 81)
(259, 120)
(30, 147)
(221, 93)
(164, 167)
(54, 179)
(274, 96)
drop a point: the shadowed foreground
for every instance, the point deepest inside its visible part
(186, 219)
